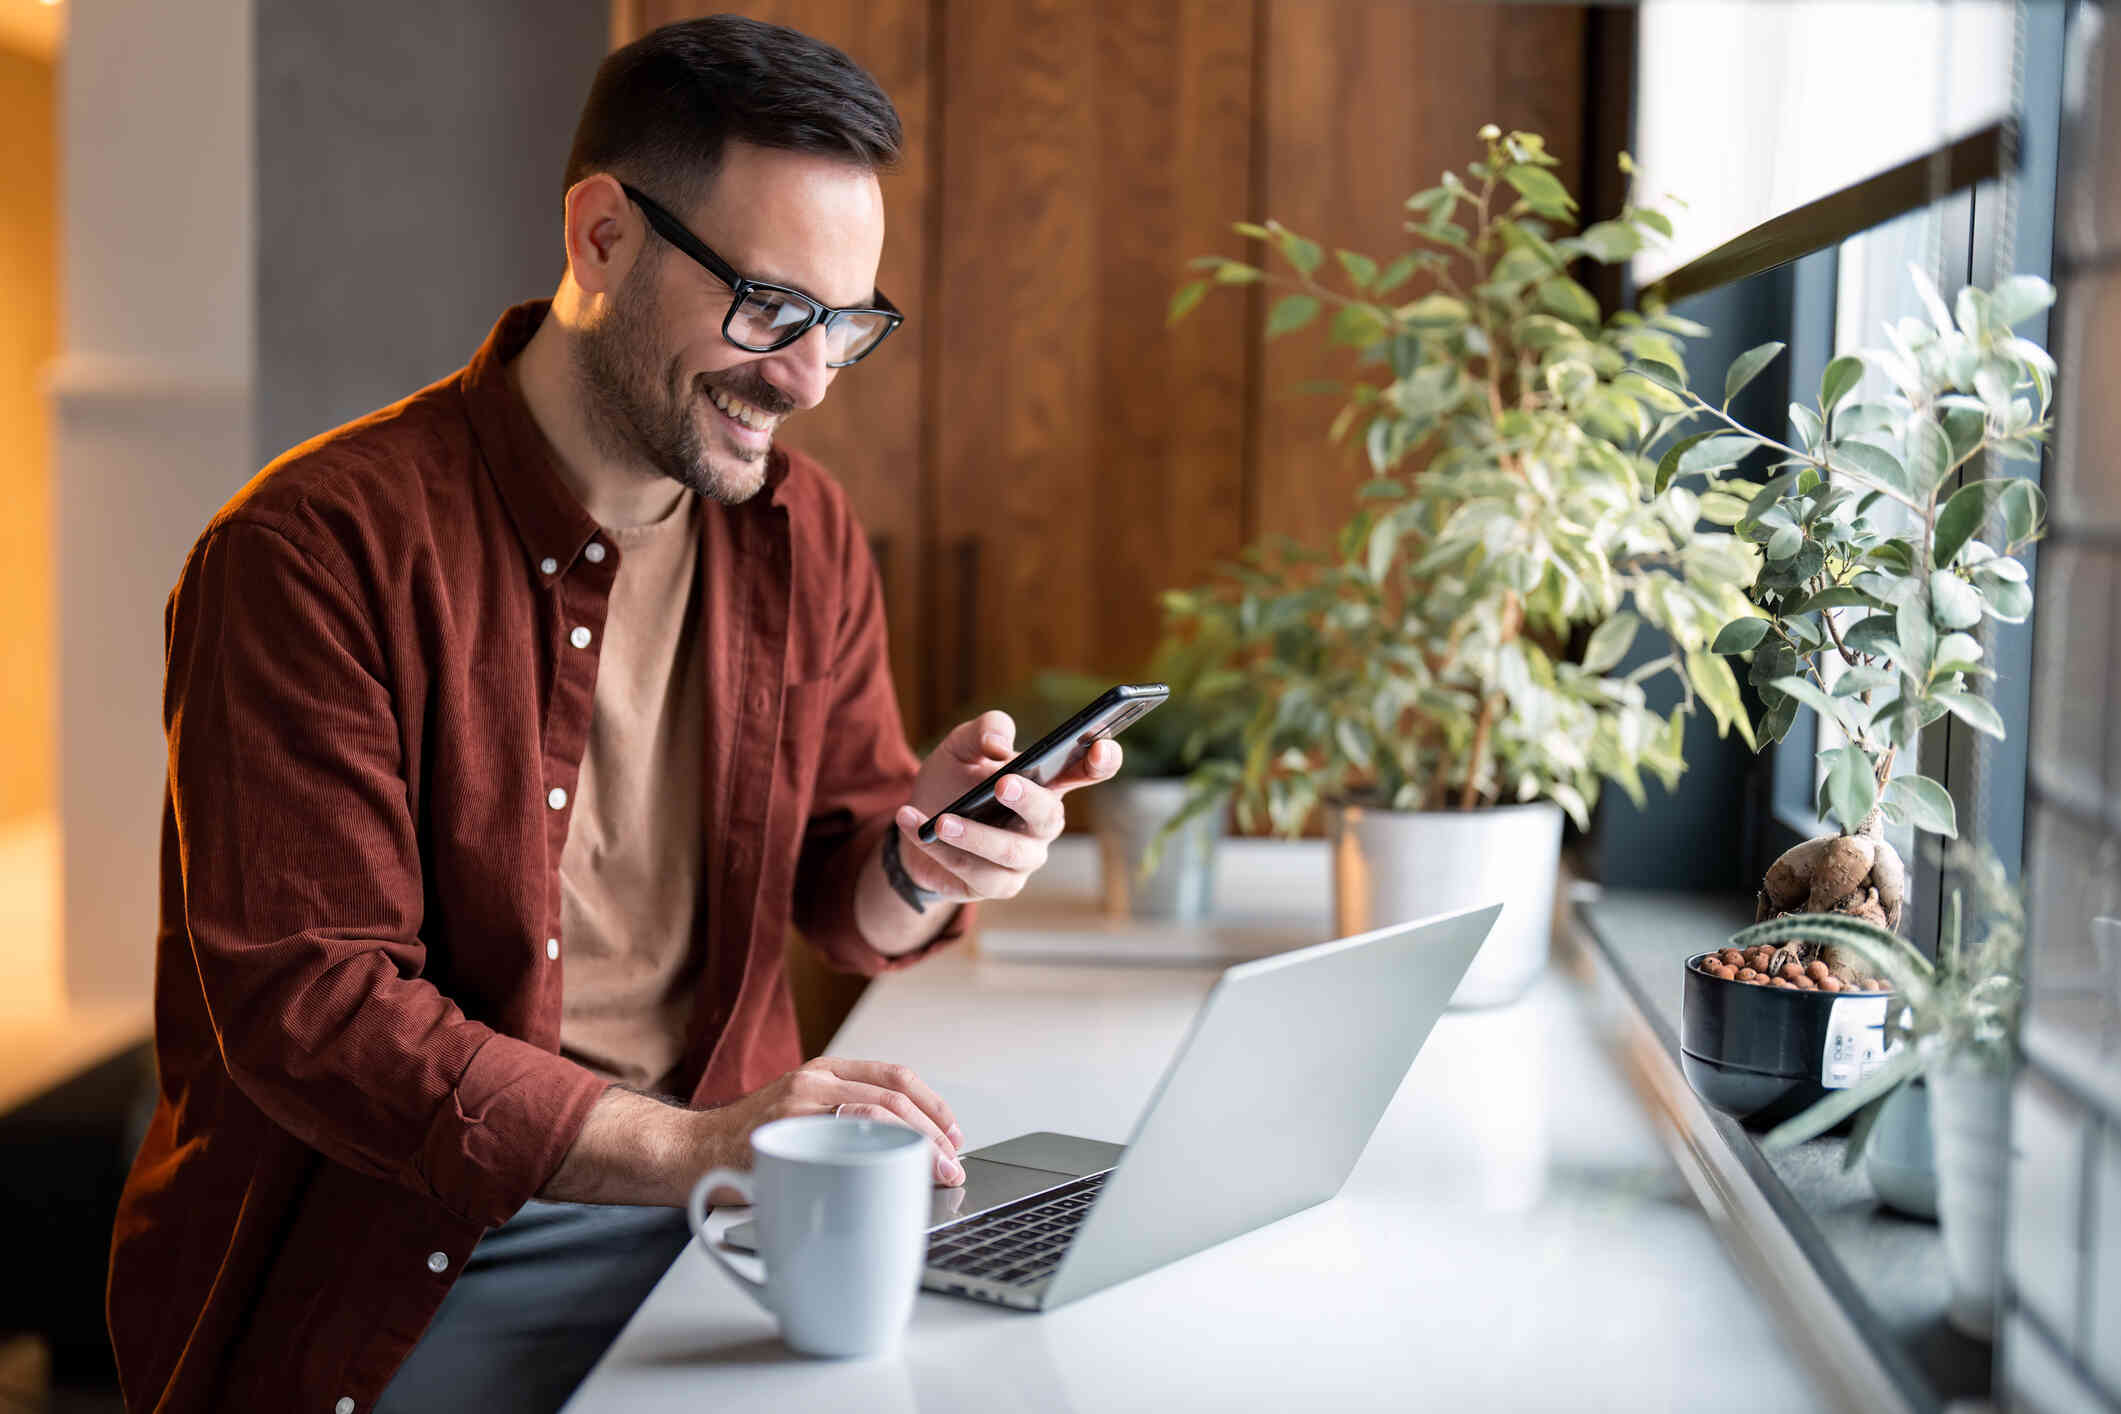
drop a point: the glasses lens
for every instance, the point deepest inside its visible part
(852, 334)
(767, 318)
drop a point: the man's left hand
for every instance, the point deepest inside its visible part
(973, 861)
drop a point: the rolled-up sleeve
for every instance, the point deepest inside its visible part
(303, 891)
(866, 771)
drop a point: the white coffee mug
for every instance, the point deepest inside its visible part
(841, 1208)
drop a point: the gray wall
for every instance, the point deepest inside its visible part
(409, 159)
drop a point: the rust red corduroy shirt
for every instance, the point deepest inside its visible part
(376, 716)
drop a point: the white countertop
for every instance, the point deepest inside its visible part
(1513, 1238)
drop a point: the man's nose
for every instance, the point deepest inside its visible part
(798, 372)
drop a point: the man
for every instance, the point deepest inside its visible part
(510, 727)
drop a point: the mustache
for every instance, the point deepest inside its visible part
(753, 389)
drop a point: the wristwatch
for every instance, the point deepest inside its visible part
(916, 897)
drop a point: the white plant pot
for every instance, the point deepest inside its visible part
(1393, 865)
(1127, 814)
(1970, 1115)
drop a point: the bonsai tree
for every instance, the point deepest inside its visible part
(1460, 645)
(1877, 570)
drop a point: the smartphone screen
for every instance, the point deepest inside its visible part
(1113, 711)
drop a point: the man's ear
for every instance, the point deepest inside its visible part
(604, 233)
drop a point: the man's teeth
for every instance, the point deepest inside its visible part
(743, 412)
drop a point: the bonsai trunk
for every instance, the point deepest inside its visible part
(1860, 875)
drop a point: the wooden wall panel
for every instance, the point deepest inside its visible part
(868, 431)
(1365, 103)
(1091, 456)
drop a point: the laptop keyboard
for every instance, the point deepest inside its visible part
(1015, 1246)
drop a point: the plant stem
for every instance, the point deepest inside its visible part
(1512, 621)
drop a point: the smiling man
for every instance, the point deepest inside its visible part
(510, 729)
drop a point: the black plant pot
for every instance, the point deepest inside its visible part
(1762, 1054)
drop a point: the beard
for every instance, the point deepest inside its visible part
(641, 409)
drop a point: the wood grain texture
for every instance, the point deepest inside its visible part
(1090, 150)
(1365, 103)
(868, 431)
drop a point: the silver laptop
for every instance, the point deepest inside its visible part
(1262, 1113)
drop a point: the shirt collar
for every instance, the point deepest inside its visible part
(548, 518)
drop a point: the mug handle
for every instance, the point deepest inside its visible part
(696, 1216)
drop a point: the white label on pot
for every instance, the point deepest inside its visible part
(1855, 1041)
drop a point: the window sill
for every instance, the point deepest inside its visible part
(1861, 1290)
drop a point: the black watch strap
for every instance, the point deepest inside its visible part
(916, 897)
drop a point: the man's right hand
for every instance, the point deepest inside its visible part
(857, 1089)
(636, 1148)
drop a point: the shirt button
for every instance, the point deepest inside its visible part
(548, 565)
(579, 638)
(594, 552)
(344, 1406)
(552, 949)
(438, 1262)
(556, 798)
(759, 701)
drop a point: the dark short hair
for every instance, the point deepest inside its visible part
(663, 108)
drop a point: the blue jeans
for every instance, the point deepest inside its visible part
(540, 1298)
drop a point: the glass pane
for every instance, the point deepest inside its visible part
(767, 316)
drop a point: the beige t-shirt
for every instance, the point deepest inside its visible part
(630, 873)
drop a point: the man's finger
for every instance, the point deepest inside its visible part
(1101, 763)
(948, 1171)
(885, 1075)
(992, 734)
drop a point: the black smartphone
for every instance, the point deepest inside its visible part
(1115, 709)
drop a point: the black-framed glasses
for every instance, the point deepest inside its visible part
(764, 316)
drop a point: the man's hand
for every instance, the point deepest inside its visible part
(973, 861)
(642, 1149)
(857, 1089)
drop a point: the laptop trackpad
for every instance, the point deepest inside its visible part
(990, 1183)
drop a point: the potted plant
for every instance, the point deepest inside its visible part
(1955, 1026)
(1876, 576)
(1447, 681)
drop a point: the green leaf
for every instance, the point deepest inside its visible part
(1358, 326)
(1970, 710)
(1433, 309)
(1740, 636)
(1236, 272)
(1953, 602)
(1722, 450)
(1290, 313)
(1299, 252)
(1851, 785)
(1840, 378)
(1807, 692)
(1609, 642)
(1712, 678)
(1927, 803)
(1540, 187)
(1838, 1105)
(1746, 367)
(1785, 543)
(1182, 303)
(1610, 242)
(1929, 455)
(2024, 508)
(1960, 519)
(1571, 301)
(1397, 272)
(1655, 220)
(1876, 463)
(1362, 270)
(2019, 298)
(1918, 641)
(1668, 464)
